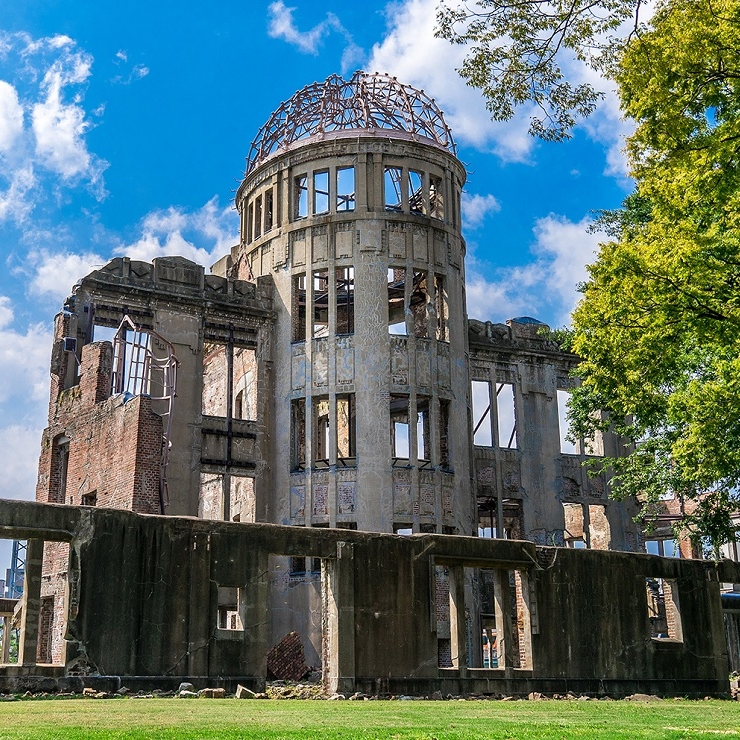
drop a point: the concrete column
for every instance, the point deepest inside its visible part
(29, 637)
(338, 585)
(458, 632)
(254, 607)
(502, 597)
(5, 647)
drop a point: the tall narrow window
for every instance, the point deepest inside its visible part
(300, 195)
(481, 393)
(392, 187)
(321, 192)
(320, 304)
(419, 304)
(268, 210)
(441, 307)
(346, 428)
(298, 433)
(346, 189)
(506, 415)
(345, 300)
(250, 225)
(423, 430)
(567, 446)
(320, 439)
(400, 427)
(258, 217)
(396, 300)
(436, 198)
(416, 192)
(444, 432)
(298, 309)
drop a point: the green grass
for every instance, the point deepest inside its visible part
(230, 718)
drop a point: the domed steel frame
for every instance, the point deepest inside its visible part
(369, 103)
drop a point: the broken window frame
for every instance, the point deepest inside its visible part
(346, 198)
(345, 403)
(300, 196)
(397, 301)
(399, 418)
(441, 307)
(269, 210)
(250, 225)
(504, 423)
(320, 311)
(321, 432)
(298, 309)
(298, 434)
(482, 430)
(258, 217)
(321, 199)
(393, 188)
(345, 297)
(664, 607)
(416, 192)
(228, 609)
(423, 431)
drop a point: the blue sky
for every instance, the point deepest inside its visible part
(124, 129)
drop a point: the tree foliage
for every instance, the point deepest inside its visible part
(658, 327)
(517, 49)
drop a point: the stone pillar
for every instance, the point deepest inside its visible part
(29, 638)
(338, 585)
(458, 632)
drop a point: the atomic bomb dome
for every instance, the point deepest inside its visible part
(367, 103)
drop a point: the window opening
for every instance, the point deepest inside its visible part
(664, 548)
(567, 447)
(392, 187)
(441, 307)
(400, 427)
(250, 225)
(298, 433)
(423, 430)
(258, 217)
(346, 189)
(229, 617)
(416, 192)
(403, 529)
(419, 303)
(347, 525)
(320, 304)
(244, 383)
(297, 566)
(90, 498)
(140, 368)
(436, 198)
(321, 432)
(397, 301)
(506, 415)
(345, 277)
(321, 192)
(268, 210)
(663, 609)
(346, 422)
(444, 432)
(300, 193)
(299, 308)
(574, 525)
(481, 397)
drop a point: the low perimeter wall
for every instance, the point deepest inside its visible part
(143, 598)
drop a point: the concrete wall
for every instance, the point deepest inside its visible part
(145, 593)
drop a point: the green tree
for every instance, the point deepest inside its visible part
(516, 50)
(658, 326)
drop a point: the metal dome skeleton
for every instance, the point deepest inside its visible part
(368, 103)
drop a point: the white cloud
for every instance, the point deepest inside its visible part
(137, 72)
(411, 52)
(43, 123)
(546, 287)
(56, 273)
(476, 208)
(202, 236)
(281, 25)
(11, 116)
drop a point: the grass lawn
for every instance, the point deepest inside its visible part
(231, 718)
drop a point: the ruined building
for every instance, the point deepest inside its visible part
(326, 375)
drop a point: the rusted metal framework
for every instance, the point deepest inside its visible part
(372, 103)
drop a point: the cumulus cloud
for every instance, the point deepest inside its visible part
(281, 25)
(56, 273)
(43, 122)
(202, 236)
(476, 208)
(546, 287)
(411, 52)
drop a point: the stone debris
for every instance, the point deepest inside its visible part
(185, 686)
(185, 694)
(642, 697)
(242, 692)
(212, 693)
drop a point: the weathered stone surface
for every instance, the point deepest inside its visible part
(212, 693)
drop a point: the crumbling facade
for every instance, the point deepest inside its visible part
(325, 376)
